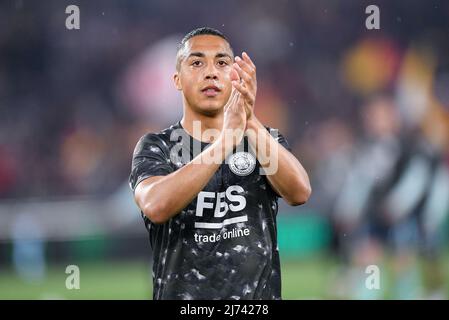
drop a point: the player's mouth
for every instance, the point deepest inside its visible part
(211, 91)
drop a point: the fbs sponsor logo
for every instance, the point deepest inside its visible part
(220, 203)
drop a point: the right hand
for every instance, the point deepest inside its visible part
(235, 117)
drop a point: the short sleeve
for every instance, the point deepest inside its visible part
(151, 157)
(279, 138)
(282, 141)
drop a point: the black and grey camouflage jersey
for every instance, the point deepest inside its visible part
(223, 245)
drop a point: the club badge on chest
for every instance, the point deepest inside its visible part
(242, 163)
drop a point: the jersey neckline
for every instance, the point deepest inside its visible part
(179, 125)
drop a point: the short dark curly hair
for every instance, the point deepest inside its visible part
(198, 32)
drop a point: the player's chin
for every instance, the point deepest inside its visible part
(212, 107)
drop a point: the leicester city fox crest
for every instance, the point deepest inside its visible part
(242, 163)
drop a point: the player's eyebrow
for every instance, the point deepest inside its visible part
(223, 55)
(202, 55)
(196, 54)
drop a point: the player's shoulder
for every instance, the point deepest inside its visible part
(161, 138)
(270, 129)
(273, 131)
(278, 136)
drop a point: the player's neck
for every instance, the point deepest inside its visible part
(196, 124)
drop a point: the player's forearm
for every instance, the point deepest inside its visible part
(290, 180)
(170, 194)
(284, 172)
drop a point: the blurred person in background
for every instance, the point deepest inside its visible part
(416, 209)
(357, 219)
(333, 144)
(417, 205)
(435, 209)
(394, 202)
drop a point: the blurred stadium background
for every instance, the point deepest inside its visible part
(366, 111)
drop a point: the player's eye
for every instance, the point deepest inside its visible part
(222, 63)
(196, 63)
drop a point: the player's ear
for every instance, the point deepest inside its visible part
(177, 81)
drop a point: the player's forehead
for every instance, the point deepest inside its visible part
(207, 44)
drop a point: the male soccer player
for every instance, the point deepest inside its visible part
(208, 206)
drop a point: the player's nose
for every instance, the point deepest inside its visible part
(211, 76)
(211, 73)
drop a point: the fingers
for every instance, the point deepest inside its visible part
(246, 65)
(244, 95)
(242, 74)
(244, 91)
(246, 70)
(248, 60)
(234, 74)
(244, 86)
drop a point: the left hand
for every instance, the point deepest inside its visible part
(244, 80)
